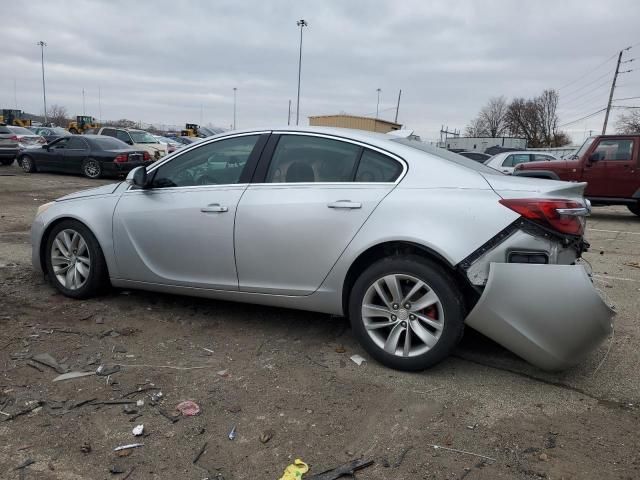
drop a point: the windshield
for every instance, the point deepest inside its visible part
(21, 131)
(585, 146)
(60, 131)
(109, 143)
(142, 137)
(447, 155)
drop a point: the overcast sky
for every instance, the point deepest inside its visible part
(172, 61)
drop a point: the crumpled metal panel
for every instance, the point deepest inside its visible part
(550, 315)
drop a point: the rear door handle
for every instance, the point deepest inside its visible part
(347, 204)
(214, 208)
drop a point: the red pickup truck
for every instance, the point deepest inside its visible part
(609, 165)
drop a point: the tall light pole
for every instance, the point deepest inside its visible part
(378, 102)
(301, 23)
(44, 90)
(235, 92)
(84, 110)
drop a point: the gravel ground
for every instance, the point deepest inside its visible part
(287, 374)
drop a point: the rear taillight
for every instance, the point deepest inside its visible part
(146, 157)
(14, 138)
(122, 158)
(564, 216)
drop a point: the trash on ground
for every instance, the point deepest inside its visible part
(49, 361)
(462, 451)
(295, 470)
(188, 408)
(140, 403)
(232, 433)
(207, 350)
(357, 359)
(156, 397)
(138, 430)
(127, 447)
(86, 447)
(266, 436)
(72, 375)
(223, 373)
(345, 470)
(105, 370)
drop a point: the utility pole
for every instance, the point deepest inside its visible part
(398, 106)
(378, 102)
(235, 90)
(289, 115)
(44, 90)
(301, 23)
(99, 106)
(15, 93)
(613, 87)
(83, 104)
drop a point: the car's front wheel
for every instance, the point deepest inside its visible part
(74, 260)
(27, 164)
(634, 208)
(91, 168)
(407, 312)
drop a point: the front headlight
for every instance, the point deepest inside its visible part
(44, 207)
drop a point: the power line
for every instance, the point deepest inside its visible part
(573, 106)
(593, 114)
(591, 70)
(599, 86)
(590, 83)
(626, 98)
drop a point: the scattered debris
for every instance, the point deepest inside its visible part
(156, 397)
(140, 390)
(199, 454)
(25, 464)
(140, 403)
(348, 469)
(47, 360)
(207, 350)
(461, 451)
(33, 364)
(127, 447)
(116, 469)
(472, 427)
(340, 349)
(357, 359)
(266, 436)
(72, 375)
(86, 447)
(30, 407)
(295, 470)
(138, 430)
(232, 433)
(223, 373)
(106, 370)
(188, 408)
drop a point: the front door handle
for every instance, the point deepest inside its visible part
(347, 204)
(214, 208)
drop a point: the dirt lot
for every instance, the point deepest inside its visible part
(288, 372)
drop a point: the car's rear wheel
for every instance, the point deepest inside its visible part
(74, 260)
(27, 164)
(6, 161)
(407, 312)
(91, 168)
(634, 208)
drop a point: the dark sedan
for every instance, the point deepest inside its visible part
(50, 133)
(91, 155)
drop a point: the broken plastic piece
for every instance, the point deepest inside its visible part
(232, 433)
(138, 430)
(358, 360)
(72, 375)
(127, 447)
(295, 470)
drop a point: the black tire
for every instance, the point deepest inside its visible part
(91, 168)
(98, 278)
(442, 284)
(27, 163)
(6, 161)
(634, 208)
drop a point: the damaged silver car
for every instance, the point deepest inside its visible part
(409, 241)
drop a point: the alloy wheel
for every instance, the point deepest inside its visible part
(92, 169)
(402, 315)
(70, 259)
(25, 163)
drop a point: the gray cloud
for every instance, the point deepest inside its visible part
(163, 61)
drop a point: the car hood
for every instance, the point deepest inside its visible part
(91, 192)
(508, 186)
(541, 165)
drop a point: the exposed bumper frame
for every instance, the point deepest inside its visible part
(550, 315)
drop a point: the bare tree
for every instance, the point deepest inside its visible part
(494, 115)
(547, 105)
(629, 123)
(57, 114)
(476, 128)
(523, 120)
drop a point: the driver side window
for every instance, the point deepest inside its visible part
(217, 163)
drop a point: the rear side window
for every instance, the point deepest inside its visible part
(76, 143)
(108, 143)
(539, 157)
(516, 159)
(614, 150)
(301, 158)
(109, 132)
(375, 167)
(124, 136)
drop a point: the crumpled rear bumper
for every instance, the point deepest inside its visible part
(550, 315)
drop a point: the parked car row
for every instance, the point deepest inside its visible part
(14, 139)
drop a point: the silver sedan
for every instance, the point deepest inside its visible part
(409, 241)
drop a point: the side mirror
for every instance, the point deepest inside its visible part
(129, 142)
(45, 146)
(594, 157)
(138, 177)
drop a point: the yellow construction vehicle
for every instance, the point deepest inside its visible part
(82, 124)
(14, 117)
(190, 130)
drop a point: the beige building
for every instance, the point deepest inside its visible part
(351, 121)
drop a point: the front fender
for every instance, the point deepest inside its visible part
(548, 174)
